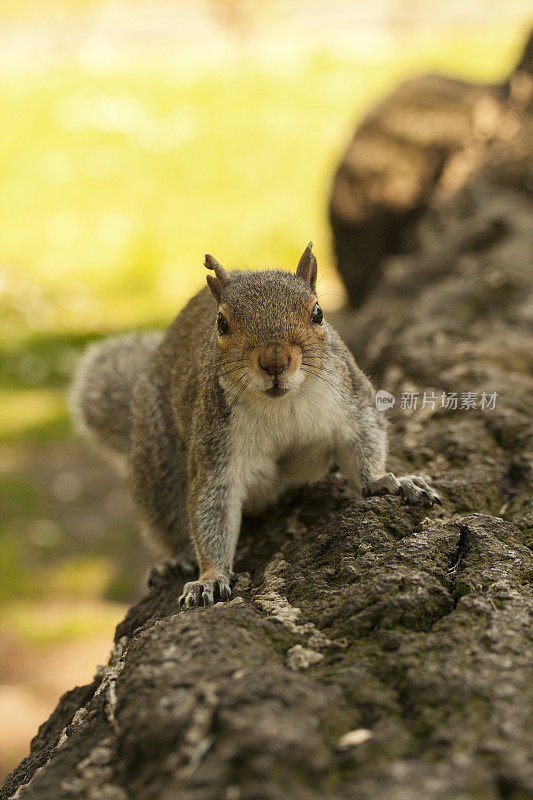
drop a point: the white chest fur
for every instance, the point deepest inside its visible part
(291, 440)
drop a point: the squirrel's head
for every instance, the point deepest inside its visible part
(269, 327)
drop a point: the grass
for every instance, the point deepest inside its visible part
(48, 623)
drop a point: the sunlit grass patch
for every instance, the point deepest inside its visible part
(17, 494)
(78, 578)
(115, 183)
(51, 622)
(41, 359)
(17, 579)
(39, 412)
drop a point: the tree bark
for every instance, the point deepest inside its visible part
(424, 141)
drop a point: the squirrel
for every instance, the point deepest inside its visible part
(241, 399)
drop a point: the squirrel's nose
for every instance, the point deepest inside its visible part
(274, 366)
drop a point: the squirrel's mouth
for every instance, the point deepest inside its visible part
(276, 391)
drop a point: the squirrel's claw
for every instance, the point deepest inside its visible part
(417, 492)
(411, 488)
(205, 593)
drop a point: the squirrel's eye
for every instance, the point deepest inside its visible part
(222, 324)
(317, 315)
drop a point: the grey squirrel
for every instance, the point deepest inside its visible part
(238, 401)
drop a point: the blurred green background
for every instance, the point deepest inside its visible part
(136, 136)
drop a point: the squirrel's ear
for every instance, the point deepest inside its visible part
(214, 286)
(215, 283)
(307, 266)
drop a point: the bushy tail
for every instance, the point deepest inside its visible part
(102, 388)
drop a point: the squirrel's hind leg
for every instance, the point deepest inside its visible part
(159, 482)
(171, 568)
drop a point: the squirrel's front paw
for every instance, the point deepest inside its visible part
(412, 488)
(205, 592)
(417, 492)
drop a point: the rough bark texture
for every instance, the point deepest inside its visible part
(371, 650)
(421, 143)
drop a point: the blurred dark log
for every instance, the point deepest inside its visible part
(422, 143)
(371, 650)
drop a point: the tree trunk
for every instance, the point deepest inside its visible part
(422, 142)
